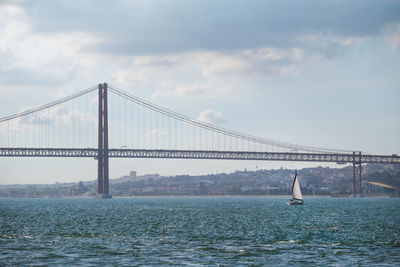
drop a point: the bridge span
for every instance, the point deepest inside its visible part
(340, 158)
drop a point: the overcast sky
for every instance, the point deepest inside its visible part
(317, 73)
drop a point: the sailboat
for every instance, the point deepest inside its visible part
(297, 198)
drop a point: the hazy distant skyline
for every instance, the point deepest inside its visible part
(317, 73)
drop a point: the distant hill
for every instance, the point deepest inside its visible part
(313, 181)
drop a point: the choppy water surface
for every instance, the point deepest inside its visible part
(187, 231)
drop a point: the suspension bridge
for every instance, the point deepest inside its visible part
(81, 125)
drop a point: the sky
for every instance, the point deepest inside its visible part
(315, 73)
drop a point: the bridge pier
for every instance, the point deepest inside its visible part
(360, 188)
(354, 174)
(102, 159)
(355, 163)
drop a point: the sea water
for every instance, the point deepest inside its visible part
(200, 231)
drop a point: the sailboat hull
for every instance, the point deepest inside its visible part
(295, 202)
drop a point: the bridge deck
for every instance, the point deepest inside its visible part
(200, 154)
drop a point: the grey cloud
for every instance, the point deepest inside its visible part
(150, 27)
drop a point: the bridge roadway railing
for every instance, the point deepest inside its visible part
(201, 154)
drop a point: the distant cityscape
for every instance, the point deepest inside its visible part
(378, 180)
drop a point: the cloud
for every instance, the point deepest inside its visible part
(158, 133)
(212, 117)
(220, 63)
(29, 57)
(350, 41)
(392, 35)
(57, 115)
(265, 60)
(167, 60)
(41, 45)
(167, 27)
(190, 90)
(181, 90)
(125, 77)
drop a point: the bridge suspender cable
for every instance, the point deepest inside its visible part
(220, 130)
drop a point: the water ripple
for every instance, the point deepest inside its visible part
(193, 232)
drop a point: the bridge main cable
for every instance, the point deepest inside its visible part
(49, 105)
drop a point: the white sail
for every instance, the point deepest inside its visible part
(296, 189)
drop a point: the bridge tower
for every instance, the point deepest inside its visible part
(102, 158)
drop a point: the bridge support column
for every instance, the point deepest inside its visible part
(102, 170)
(354, 173)
(100, 161)
(360, 188)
